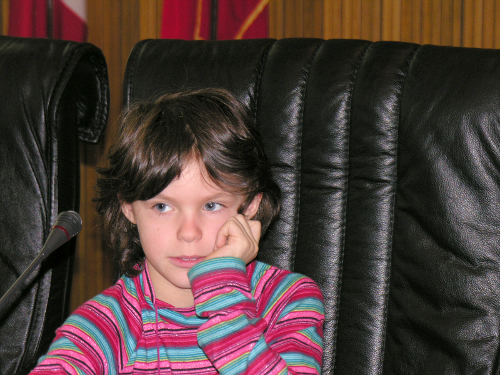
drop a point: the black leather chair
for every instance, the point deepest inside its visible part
(388, 155)
(52, 94)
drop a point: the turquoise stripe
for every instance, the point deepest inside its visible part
(221, 302)
(257, 350)
(114, 306)
(240, 364)
(172, 317)
(222, 330)
(312, 334)
(65, 344)
(306, 304)
(190, 354)
(96, 335)
(281, 289)
(299, 359)
(130, 286)
(178, 355)
(236, 366)
(259, 272)
(207, 266)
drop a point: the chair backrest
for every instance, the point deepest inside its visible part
(388, 156)
(52, 93)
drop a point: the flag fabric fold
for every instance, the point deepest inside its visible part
(236, 19)
(29, 19)
(70, 20)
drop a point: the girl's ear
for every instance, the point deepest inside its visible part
(253, 207)
(128, 212)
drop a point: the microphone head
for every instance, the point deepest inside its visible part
(70, 222)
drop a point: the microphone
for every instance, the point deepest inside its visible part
(68, 225)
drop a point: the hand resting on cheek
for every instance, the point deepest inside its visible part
(238, 238)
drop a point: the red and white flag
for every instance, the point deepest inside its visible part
(70, 20)
(236, 19)
(28, 18)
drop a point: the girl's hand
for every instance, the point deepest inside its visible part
(238, 238)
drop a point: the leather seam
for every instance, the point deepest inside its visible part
(336, 312)
(300, 119)
(260, 69)
(387, 276)
(131, 65)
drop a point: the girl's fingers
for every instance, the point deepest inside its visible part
(255, 228)
(238, 238)
(226, 233)
(251, 227)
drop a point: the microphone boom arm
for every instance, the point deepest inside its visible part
(68, 225)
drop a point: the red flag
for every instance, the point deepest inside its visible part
(186, 19)
(236, 19)
(28, 18)
(70, 20)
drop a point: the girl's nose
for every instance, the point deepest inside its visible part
(189, 229)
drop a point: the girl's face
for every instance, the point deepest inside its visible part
(178, 227)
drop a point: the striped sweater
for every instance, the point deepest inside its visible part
(245, 320)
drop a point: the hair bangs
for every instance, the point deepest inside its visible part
(159, 153)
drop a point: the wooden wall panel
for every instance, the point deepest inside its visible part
(488, 24)
(4, 17)
(115, 27)
(467, 23)
(150, 19)
(276, 21)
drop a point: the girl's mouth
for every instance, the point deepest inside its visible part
(186, 262)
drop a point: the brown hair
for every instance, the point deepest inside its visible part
(157, 138)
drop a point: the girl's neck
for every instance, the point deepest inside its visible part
(168, 293)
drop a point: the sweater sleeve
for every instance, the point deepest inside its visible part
(279, 334)
(75, 349)
(64, 357)
(90, 341)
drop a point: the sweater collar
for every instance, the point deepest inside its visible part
(165, 309)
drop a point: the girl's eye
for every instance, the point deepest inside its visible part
(162, 207)
(212, 206)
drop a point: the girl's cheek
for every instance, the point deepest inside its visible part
(216, 227)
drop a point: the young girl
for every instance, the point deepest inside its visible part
(184, 198)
